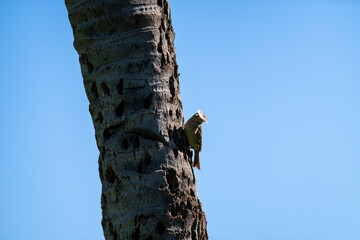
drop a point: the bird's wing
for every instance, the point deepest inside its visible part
(199, 136)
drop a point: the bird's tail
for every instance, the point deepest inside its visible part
(197, 159)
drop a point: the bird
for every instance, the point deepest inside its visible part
(194, 135)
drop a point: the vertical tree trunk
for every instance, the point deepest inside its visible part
(127, 59)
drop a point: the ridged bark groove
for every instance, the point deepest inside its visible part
(127, 57)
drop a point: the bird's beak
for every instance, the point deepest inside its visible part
(206, 121)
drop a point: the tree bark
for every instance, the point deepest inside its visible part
(127, 57)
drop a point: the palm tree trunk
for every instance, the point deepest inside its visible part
(127, 58)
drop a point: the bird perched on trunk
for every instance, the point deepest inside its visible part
(193, 134)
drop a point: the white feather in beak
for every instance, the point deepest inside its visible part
(202, 116)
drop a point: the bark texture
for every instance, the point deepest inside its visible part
(127, 57)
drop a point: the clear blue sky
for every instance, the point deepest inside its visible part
(278, 80)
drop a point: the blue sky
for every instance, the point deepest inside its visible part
(278, 80)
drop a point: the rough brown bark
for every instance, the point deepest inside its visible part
(127, 58)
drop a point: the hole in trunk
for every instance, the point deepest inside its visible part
(125, 144)
(120, 87)
(160, 227)
(136, 234)
(148, 101)
(106, 89)
(119, 110)
(110, 175)
(172, 179)
(94, 91)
